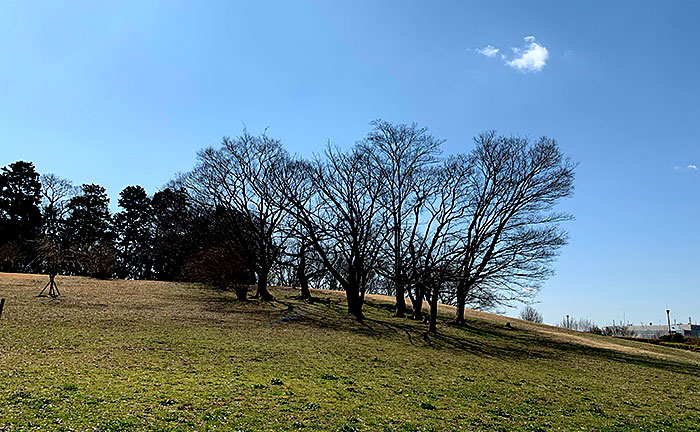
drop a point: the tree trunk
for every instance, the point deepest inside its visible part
(301, 273)
(461, 299)
(433, 311)
(354, 303)
(241, 291)
(418, 305)
(459, 318)
(304, 284)
(400, 301)
(263, 293)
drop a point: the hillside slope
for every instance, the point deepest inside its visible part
(137, 355)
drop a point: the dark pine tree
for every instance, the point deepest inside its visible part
(89, 226)
(172, 233)
(20, 215)
(134, 233)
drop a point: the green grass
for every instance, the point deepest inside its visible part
(126, 355)
(681, 345)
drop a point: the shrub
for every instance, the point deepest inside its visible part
(673, 337)
(221, 268)
(9, 254)
(531, 314)
(97, 261)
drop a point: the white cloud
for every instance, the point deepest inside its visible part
(488, 50)
(532, 58)
(692, 167)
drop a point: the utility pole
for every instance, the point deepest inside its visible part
(668, 318)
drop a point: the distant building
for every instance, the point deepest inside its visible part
(654, 331)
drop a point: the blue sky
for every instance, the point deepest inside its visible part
(121, 93)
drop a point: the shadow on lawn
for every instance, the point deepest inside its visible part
(477, 337)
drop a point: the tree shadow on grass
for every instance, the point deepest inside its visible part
(488, 339)
(520, 344)
(477, 337)
(546, 347)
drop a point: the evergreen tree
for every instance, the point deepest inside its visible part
(134, 229)
(89, 231)
(172, 232)
(20, 215)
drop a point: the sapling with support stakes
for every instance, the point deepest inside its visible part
(53, 256)
(53, 288)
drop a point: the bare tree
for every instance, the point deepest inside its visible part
(401, 154)
(581, 324)
(236, 181)
(336, 204)
(512, 236)
(55, 192)
(531, 314)
(301, 264)
(53, 251)
(436, 219)
(53, 256)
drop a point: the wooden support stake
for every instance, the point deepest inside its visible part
(52, 286)
(2, 305)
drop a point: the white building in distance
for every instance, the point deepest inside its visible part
(655, 331)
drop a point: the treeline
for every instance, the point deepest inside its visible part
(48, 225)
(389, 215)
(585, 325)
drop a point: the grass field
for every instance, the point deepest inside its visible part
(133, 355)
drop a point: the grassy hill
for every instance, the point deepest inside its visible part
(135, 355)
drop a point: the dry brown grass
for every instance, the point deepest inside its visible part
(140, 301)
